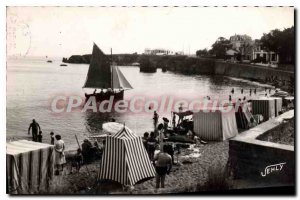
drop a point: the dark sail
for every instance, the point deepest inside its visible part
(99, 74)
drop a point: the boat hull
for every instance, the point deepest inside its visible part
(106, 96)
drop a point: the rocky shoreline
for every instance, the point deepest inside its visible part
(281, 77)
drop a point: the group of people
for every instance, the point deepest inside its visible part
(91, 151)
(59, 145)
(250, 93)
(36, 132)
(84, 155)
(104, 94)
(164, 159)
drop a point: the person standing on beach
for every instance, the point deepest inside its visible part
(151, 144)
(35, 128)
(145, 139)
(86, 151)
(250, 92)
(161, 135)
(242, 91)
(163, 166)
(52, 138)
(254, 90)
(60, 158)
(155, 119)
(174, 121)
(180, 110)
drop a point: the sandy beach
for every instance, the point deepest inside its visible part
(190, 174)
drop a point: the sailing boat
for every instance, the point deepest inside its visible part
(103, 75)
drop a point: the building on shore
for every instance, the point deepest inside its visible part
(244, 49)
(242, 44)
(161, 51)
(259, 54)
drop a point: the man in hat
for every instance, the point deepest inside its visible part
(35, 128)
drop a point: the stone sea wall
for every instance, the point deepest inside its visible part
(196, 65)
(263, 161)
(251, 72)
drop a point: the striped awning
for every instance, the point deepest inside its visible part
(125, 159)
(29, 166)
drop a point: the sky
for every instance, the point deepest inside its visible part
(66, 31)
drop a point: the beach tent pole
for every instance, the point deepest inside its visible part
(80, 149)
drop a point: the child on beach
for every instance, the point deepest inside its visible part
(52, 138)
(40, 137)
(77, 161)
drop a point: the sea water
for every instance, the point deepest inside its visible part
(32, 83)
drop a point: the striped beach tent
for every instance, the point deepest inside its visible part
(266, 106)
(125, 159)
(215, 124)
(278, 105)
(29, 166)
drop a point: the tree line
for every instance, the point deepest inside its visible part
(280, 42)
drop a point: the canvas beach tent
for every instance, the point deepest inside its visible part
(29, 166)
(125, 159)
(243, 116)
(111, 128)
(278, 105)
(210, 124)
(268, 107)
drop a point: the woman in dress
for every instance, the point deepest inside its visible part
(60, 158)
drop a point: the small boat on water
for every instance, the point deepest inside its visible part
(63, 65)
(106, 77)
(49, 61)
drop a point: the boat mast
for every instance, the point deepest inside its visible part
(112, 71)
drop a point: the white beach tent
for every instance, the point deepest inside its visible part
(109, 128)
(210, 124)
(29, 166)
(125, 159)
